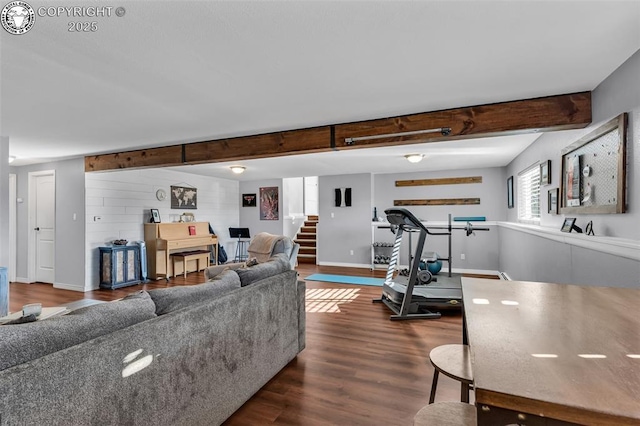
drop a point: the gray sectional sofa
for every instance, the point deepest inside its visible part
(188, 355)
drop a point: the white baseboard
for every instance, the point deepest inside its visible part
(23, 280)
(72, 287)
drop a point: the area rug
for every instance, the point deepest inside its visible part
(346, 279)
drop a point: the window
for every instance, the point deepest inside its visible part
(529, 194)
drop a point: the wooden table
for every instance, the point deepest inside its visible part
(546, 354)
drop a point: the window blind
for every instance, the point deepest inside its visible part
(529, 194)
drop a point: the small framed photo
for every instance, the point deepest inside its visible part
(510, 192)
(545, 173)
(249, 200)
(552, 201)
(155, 216)
(568, 223)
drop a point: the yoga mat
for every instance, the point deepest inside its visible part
(346, 279)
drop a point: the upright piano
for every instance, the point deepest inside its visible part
(163, 239)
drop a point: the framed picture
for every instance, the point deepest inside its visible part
(510, 192)
(269, 203)
(155, 216)
(545, 173)
(552, 201)
(570, 225)
(183, 197)
(593, 171)
(249, 200)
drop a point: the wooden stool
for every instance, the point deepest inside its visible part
(200, 255)
(453, 361)
(446, 414)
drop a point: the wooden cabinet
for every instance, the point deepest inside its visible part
(119, 266)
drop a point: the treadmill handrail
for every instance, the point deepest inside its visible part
(406, 220)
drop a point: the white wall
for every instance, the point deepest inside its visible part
(69, 234)
(350, 228)
(293, 196)
(342, 230)
(5, 252)
(481, 250)
(293, 191)
(4, 205)
(122, 200)
(250, 216)
(492, 193)
(527, 258)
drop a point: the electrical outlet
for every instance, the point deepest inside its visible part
(462, 256)
(351, 252)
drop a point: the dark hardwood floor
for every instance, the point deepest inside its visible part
(358, 368)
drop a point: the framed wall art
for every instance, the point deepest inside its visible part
(545, 173)
(269, 203)
(593, 175)
(552, 201)
(249, 200)
(183, 197)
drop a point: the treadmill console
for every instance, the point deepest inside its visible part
(404, 218)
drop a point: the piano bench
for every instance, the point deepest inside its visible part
(184, 257)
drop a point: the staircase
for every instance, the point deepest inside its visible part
(307, 240)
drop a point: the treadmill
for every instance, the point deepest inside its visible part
(414, 296)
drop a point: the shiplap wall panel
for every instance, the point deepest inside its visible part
(122, 201)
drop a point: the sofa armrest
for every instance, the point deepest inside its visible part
(294, 255)
(302, 315)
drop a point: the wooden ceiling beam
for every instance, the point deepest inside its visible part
(561, 112)
(278, 144)
(151, 157)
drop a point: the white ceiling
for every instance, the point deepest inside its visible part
(171, 72)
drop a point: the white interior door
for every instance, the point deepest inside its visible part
(12, 228)
(311, 195)
(45, 203)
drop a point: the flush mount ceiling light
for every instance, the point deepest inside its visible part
(237, 169)
(11, 159)
(414, 158)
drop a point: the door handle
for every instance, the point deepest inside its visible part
(36, 229)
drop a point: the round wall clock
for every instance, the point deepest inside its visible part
(161, 194)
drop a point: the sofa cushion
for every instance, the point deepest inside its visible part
(174, 298)
(26, 342)
(276, 264)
